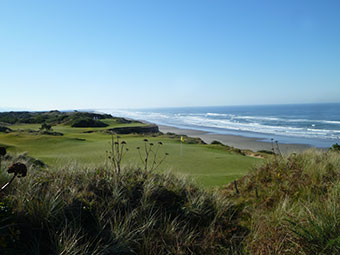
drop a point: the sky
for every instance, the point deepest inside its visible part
(79, 54)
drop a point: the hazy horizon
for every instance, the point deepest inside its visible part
(5, 109)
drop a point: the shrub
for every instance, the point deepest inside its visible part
(335, 147)
(266, 152)
(216, 142)
(5, 129)
(88, 122)
(46, 127)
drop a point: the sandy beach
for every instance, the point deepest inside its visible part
(254, 144)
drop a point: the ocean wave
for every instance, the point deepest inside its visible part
(258, 118)
(262, 118)
(256, 124)
(217, 114)
(260, 128)
(331, 122)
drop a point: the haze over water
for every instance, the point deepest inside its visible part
(314, 124)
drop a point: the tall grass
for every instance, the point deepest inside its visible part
(87, 210)
(297, 209)
(288, 205)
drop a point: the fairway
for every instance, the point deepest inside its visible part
(209, 165)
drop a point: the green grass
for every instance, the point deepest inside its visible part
(207, 164)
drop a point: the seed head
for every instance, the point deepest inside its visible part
(18, 169)
(145, 140)
(3, 151)
(160, 143)
(123, 142)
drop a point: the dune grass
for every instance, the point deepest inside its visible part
(79, 209)
(207, 164)
(297, 207)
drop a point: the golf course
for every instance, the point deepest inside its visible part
(209, 165)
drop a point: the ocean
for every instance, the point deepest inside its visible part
(313, 124)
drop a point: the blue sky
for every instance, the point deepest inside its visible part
(129, 54)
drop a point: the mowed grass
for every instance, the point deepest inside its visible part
(209, 165)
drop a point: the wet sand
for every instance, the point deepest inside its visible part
(241, 142)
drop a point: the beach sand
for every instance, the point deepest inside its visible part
(254, 144)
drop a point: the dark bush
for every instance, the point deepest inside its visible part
(5, 129)
(335, 147)
(216, 142)
(2, 151)
(88, 122)
(45, 126)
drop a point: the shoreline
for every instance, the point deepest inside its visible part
(240, 142)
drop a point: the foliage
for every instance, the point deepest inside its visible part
(293, 204)
(216, 142)
(335, 147)
(187, 139)
(267, 152)
(73, 210)
(87, 122)
(5, 129)
(53, 117)
(45, 126)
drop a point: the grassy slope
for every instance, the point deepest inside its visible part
(297, 210)
(208, 164)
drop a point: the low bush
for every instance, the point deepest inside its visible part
(88, 122)
(216, 142)
(335, 147)
(5, 129)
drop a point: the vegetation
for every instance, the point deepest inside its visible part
(52, 117)
(87, 122)
(5, 129)
(45, 126)
(335, 147)
(125, 203)
(292, 204)
(208, 165)
(86, 210)
(286, 205)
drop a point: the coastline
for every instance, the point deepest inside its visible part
(240, 142)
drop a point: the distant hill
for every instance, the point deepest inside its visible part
(74, 119)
